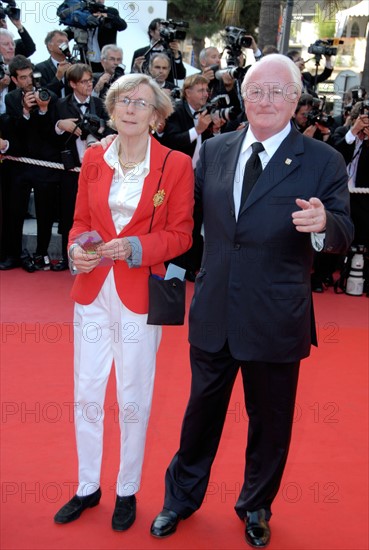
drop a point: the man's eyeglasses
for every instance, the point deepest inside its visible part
(86, 81)
(140, 104)
(254, 94)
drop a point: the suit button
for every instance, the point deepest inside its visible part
(237, 246)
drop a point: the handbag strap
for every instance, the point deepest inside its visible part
(153, 212)
(162, 172)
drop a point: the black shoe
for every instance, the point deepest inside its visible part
(124, 513)
(257, 532)
(27, 262)
(42, 263)
(165, 524)
(74, 508)
(10, 263)
(62, 265)
(317, 284)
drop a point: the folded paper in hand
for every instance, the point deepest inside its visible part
(89, 241)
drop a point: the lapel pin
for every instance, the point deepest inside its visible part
(288, 161)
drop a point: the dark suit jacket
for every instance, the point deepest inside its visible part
(24, 45)
(347, 150)
(67, 108)
(49, 80)
(254, 283)
(309, 80)
(35, 137)
(176, 135)
(179, 72)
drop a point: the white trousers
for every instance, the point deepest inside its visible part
(105, 331)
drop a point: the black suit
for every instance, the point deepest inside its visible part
(68, 108)
(33, 138)
(176, 136)
(49, 80)
(24, 45)
(310, 81)
(359, 202)
(177, 71)
(252, 308)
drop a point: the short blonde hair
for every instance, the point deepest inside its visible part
(128, 83)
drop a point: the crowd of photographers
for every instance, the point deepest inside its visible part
(51, 112)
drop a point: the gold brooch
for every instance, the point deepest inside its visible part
(158, 198)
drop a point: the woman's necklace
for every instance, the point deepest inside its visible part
(130, 165)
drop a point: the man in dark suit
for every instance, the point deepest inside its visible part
(30, 127)
(54, 68)
(76, 133)
(141, 57)
(24, 45)
(252, 307)
(353, 142)
(186, 128)
(310, 81)
(112, 62)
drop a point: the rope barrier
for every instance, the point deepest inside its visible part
(44, 163)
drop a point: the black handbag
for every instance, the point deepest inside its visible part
(167, 297)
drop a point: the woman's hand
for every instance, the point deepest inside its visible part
(116, 249)
(84, 261)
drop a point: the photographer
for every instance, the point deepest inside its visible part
(53, 69)
(186, 129)
(112, 62)
(308, 80)
(101, 28)
(81, 119)
(23, 45)
(311, 120)
(352, 141)
(30, 112)
(159, 69)
(141, 57)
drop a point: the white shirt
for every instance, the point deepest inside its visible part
(126, 189)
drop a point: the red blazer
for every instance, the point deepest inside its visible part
(171, 233)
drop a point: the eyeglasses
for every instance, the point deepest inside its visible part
(115, 59)
(86, 81)
(298, 60)
(275, 95)
(140, 104)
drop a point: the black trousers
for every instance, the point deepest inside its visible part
(270, 391)
(68, 195)
(18, 182)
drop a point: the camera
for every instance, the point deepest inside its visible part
(324, 47)
(80, 14)
(236, 39)
(364, 108)
(91, 124)
(175, 93)
(11, 10)
(234, 72)
(118, 72)
(43, 93)
(317, 114)
(64, 48)
(170, 32)
(2, 67)
(219, 106)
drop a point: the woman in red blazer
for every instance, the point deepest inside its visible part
(117, 195)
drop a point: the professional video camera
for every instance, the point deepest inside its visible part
(317, 114)
(43, 93)
(11, 10)
(80, 14)
(219, 106)
(235, 39)
(169, 30)
(324, 47)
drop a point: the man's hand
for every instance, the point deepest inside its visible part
(203, 121)
(361, 124)
(29, 101)
(311, 218)
(104, 79)
(137, 65)
(174, 46)
(4, 82)
(43, 105)
(69, 125)
(62, 68)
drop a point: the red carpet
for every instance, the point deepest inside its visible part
(323, 502)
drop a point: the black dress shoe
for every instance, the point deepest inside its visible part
(74, 508)
(27, 262)
(165, 524)
(124, 513)
(257, 531)
(10, 263)
(61, 265)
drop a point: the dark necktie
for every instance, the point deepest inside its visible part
(253, 169)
